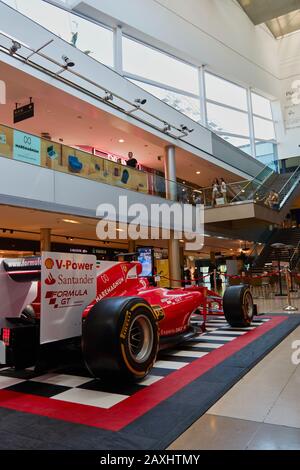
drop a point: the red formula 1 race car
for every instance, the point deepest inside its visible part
(127, 323)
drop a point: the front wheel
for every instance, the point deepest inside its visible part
(120, 338)
(238, 306)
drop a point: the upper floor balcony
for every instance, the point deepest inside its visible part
(93, 89)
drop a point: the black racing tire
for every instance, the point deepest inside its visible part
(28, 315)
(120, 338)
(238, 306)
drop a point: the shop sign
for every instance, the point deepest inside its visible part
(23, 112)
(68, 285)
(27, 148)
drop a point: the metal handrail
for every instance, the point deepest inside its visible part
(63, 68)
(287, 182)
(255, 179)
(259, 243)
(227, 184)
(296, 250)
(167, 127)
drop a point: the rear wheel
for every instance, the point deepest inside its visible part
(120, 338)
(238, 306)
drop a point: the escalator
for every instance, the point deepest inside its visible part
(248, 211)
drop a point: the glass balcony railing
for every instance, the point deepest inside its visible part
(28, 148)
(289, 187)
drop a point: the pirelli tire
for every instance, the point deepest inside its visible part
(238, 306)
(120, 338)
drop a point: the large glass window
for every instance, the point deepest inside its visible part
(222, 119)
(149, 63)
(91, 38)
(228, 113)
(225, 92)
(243, 144)
(185, 104)
(262, 119)
(170, 79)
(261, 106)
(263, 129)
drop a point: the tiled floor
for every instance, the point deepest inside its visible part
(262, 411)
(77, 386)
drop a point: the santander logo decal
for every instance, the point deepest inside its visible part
(50, 280)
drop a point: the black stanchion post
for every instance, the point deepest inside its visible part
(277, 247)
(291, 249)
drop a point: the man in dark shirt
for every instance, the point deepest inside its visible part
(132, 162)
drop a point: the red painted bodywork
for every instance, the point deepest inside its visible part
(123, 279)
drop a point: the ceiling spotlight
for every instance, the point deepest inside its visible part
(167, 127)
(140, 101)
(67, 61)
(108, 96)
(198, 172)
(121, 141)
(14, 47)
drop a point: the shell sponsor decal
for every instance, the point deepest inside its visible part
(49, 263)
(158, 312)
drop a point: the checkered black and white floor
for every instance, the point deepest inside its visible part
(75, 385)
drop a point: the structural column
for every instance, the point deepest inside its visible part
(171, 193)
(45, 239)
(131, 246)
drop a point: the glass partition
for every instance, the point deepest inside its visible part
(27, 148)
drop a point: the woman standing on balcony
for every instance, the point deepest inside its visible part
(224, 190)
(215, 191)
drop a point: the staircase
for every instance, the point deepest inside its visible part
(284, 184)
(269, 254)
(281, 183)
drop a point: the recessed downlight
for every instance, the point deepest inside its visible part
(198, 172)
(70, 221)
(121, 141)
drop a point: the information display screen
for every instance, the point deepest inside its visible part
(145, 257)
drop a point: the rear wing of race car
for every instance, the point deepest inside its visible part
(23, 269)
(18, 286)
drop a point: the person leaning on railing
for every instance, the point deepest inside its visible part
(131, 162)
(215, 191)
(272, 200)
(224, 190)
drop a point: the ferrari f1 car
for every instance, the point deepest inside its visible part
(127, 323)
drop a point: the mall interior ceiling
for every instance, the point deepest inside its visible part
(281, 16)
(71, 121)
(25, 224)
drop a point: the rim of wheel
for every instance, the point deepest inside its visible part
(140, 338)
(248, 305)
